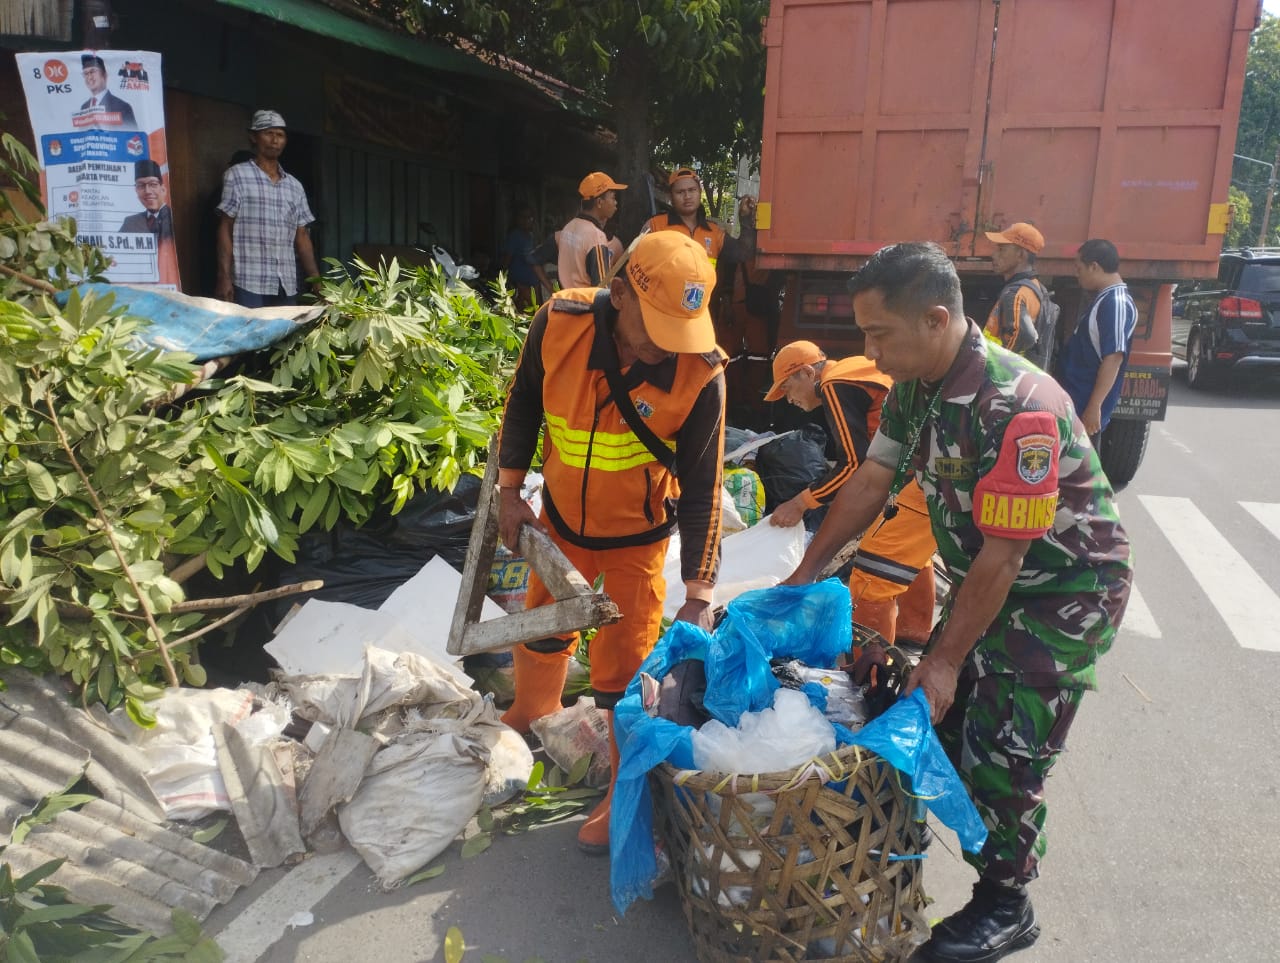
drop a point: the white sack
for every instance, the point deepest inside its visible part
(180, 751)
(418, 794)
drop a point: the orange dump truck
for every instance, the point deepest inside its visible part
(908, 120)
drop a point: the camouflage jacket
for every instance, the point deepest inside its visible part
(1002, 452)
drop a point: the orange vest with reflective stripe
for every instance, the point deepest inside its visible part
(603, 481)
(708, 234)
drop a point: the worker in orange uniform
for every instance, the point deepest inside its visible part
(892, 581)
(630, 386)
(688, 216)
(1024, 315)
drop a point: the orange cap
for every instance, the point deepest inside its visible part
(680, 172)
(596, 183)
(1021, 234)
(790, 359)
(673, 278)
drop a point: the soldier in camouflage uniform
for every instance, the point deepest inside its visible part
(1025, 519)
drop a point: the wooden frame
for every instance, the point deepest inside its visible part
(577, 605)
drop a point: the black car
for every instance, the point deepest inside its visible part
(1230, 323)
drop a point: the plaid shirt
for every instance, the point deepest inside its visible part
(267, 216)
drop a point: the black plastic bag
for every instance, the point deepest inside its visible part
(788, 465)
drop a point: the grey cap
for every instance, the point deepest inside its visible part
(265, 119)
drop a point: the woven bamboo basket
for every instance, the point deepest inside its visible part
(798, 865)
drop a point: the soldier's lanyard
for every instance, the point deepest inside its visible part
(909, 451)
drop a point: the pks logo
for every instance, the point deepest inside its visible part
(1035, 458)
(55, 75)
(134, 147)
(695, 292)
(133, 76)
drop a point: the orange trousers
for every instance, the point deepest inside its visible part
(633, 579)
(896, 555)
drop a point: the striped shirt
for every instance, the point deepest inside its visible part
(1105, 328)
(267, 215)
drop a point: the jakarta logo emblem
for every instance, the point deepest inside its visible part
(643, 407)
(1035, 458)
(694, 294)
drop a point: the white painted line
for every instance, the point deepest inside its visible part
(265, 920)
(1246, 603)
(1138, 619)
(1167, 435)
(1268, 513)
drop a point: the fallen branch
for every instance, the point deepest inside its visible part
(185, 569)
(29, 281)
(206, 629)
(248, 601)
(169, 670)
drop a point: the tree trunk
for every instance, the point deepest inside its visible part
(632, 101)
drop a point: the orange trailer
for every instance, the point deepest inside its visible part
(907, 120)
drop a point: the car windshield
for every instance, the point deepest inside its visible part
(1261, 278)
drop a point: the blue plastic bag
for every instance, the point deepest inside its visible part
(812, 623)
(903, 737)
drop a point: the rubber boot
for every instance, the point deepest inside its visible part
(539, 683)
(593, 837)
(995, 922)
(915, 608)
(882, 616)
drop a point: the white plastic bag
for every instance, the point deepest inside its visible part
(417, 795)
(577, 731)
(758, 557)
(783, 737)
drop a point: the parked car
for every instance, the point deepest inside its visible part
(1230, 323)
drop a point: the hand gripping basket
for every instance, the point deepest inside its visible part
(803, 865)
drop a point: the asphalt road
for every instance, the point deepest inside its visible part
(1164, 813)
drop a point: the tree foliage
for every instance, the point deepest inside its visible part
(685, 77)
(106, 491)
(1239, 233)
(1259, 133)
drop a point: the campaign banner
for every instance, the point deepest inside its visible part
(98, 118)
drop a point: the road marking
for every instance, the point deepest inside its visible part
(1138, 619)
(1268, 513)
(265, 920)
(1167, 435)
(1246, 603)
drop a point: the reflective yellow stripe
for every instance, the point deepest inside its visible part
(610, 451)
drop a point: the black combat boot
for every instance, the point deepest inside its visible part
(995, 922)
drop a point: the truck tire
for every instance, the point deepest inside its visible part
(1121, 450)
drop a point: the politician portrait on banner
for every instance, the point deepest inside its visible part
(98, 117)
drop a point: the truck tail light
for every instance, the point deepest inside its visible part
(1240, 309)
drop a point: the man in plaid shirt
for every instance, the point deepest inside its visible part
(263, 226)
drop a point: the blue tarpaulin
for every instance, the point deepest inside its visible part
(204, 327)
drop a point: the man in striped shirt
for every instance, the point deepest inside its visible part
(262, 230)
(1092, 365)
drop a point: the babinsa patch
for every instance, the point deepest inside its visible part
(1035, 457)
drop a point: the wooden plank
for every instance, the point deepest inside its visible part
(558, 618)
(556, 571)
(334, 776)
(480, 551)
